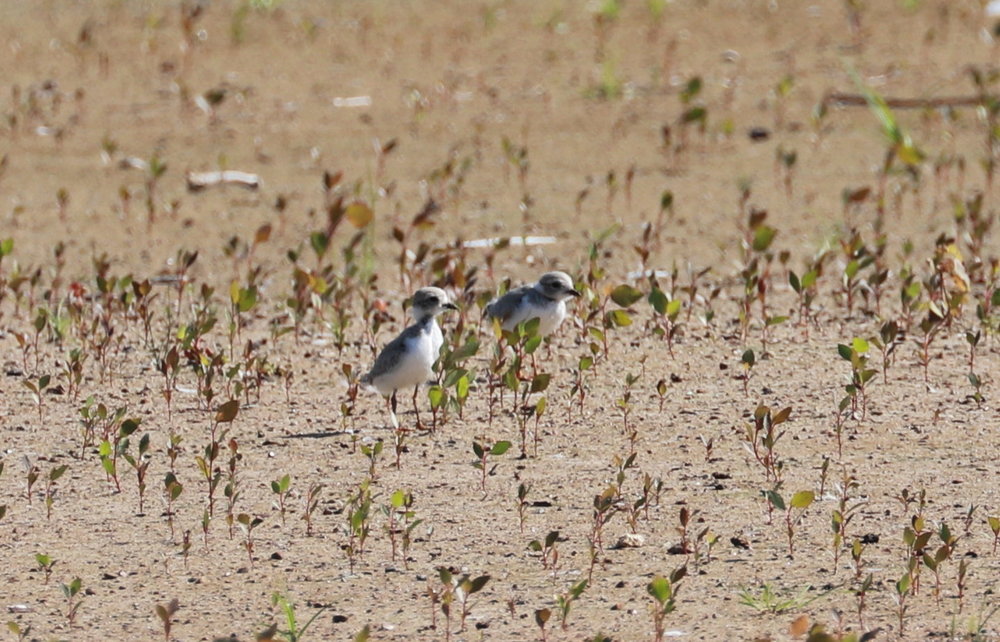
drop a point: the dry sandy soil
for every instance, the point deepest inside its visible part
(314, 87)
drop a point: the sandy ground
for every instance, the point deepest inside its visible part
(550, 119)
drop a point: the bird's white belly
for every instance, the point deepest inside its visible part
(413, 369)
(549, 317)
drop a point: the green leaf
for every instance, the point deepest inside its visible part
(625, 295)
(762, 237)
(658, 300)
(660, 589)
(619, 318)
(860, 345)
(748, 358)
(775, 499)
(478, 584)
(803, 499)
(500, 447)
(226, 413)
(359, 214)
(540, 382)
(844, 351)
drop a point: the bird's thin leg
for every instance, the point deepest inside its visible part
(392, 410)
(416, 409)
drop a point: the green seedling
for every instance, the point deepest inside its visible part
(172, 489)
(45, 564)
(457, 591)
(547, 550)
(358, 513)
(32, 472)
(400, 520)
(483, 452)
(769, 600)
(280, 488)
(522, 505)
(960, 581)
(542, 617)
(73, 599)
(312, 502)
(993, 521)
(902, 591)
(842, 516)
(22, 633)
(38, 388)
(857, 354)
(605, 506)
(166, 614)
(292, 632)
(140, 464)
(748, 361)
(624, 404)
(934, 559)
(564, 601)
(247, 524)
(50, 488)
(799, 501)
(232, 489)
(761, 437)
(372, 453)
(664, 593)
(889, 336)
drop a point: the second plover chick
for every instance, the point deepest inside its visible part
(408, 359)
(545, 301)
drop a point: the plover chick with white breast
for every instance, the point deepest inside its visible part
(408, 359)
(545, 301)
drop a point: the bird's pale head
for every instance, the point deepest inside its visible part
(430, 301)
(556, 285)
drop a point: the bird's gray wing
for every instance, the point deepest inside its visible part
(392, 353)
(505, 306)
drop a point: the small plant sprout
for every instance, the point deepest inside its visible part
(993, 521)
(358, 513)
(483, 452)
(292, 631)
(45, 564)
(801, 501)
(902, 587)
(546, 549)
(457, 591)
(280, 489)
(760, 439)
(522, 505)
(857, 354)
(166, 614)
(748, 361)
(664, 593)
(542, 617)
(50, 488)
(73, 599)
(247, 524)
(565, 601)
(312, 503)
(372, 452)
(400, 520)
(32, 472)
(38, 388)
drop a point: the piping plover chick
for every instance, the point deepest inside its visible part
(408, 359)
(545, 301)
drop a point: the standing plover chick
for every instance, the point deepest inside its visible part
(545, 301)
(408, 359)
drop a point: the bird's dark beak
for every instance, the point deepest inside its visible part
(574, 292)
(450, 306)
